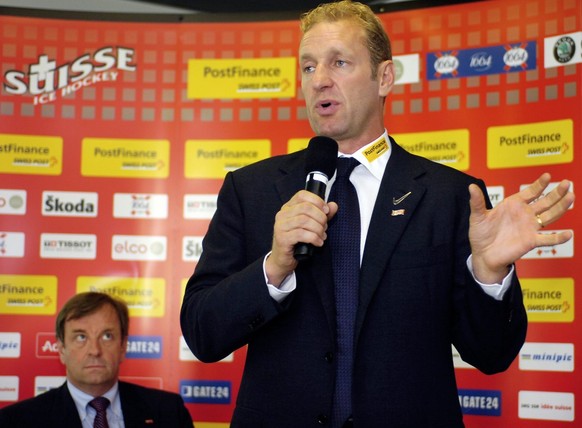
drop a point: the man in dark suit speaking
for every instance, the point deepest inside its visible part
(92, 330)
(360, 333)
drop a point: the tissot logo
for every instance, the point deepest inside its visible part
(68, 246)
(199, 207)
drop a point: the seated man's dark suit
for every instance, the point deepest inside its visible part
(142, 407)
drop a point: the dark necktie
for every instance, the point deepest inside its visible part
(100, 405)
(344, 238)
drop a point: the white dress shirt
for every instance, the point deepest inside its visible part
(87, 413)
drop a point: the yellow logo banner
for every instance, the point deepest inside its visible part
(530, 144)
(242, 78)
(125, 158)
(28, 294)
(214, 158)
(450, 147)
(296, 144)
(549, 299)
(31, 154)
(145, 297)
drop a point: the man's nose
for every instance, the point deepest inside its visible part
(94, 347)
(321, 77)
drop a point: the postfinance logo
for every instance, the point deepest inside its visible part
(549, 299)
(28, 294)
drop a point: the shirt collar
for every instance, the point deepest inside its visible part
(375, 155)
(82, 399)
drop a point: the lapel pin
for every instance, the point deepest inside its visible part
(398, 212)
(400, 199)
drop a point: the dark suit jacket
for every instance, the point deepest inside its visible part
(416, 298)
(56, 409)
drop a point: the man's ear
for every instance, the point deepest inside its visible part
(61, 350)
(386, 77)
(124, 347)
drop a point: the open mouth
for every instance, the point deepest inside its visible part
(326, 107)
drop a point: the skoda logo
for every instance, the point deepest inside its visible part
(564, 49)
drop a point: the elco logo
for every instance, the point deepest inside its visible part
(127, 247)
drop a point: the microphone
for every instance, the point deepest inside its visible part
(320, 165)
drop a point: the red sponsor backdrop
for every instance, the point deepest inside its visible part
(150, 103)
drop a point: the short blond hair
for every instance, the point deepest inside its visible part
(377, 40)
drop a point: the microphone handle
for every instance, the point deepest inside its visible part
(315, 183)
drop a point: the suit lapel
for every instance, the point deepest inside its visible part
(66, 411)
(398, 197)
(135, 413)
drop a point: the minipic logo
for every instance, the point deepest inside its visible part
(10, 345)
(553, 357)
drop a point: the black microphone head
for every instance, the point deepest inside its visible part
(321, 155)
